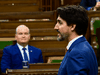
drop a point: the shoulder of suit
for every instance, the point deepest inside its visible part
(82, 47)
(32, 47)
(9, 46)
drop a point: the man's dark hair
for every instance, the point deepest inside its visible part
(73, 14)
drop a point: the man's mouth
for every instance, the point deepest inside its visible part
(58, 31)
(23, 39)
(59, 35)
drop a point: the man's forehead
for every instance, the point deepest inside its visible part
(23, 30)
(22, 26)
(59, 19)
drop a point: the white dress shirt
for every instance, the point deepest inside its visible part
(70, 43)
(22, 52)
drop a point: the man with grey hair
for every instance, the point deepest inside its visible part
(13, 55)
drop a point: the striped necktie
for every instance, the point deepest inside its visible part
(25, 55)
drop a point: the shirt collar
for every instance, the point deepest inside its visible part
(70, 43)
(97, 0)
(20, 47)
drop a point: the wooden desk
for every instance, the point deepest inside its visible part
(32, 71)
(37, 69)
(99, 70)
(44, 66)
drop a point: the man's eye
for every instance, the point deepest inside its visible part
(20, 33)
(60, 22)
(26, 33)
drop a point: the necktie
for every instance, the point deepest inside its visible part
(25, 55)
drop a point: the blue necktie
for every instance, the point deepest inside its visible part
(25, 55)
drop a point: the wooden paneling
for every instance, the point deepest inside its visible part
(33, 32)
(6, 2)
(31, 25)
(28, 15)
(48, 43)
(44, 66)
(71, 2)
(19, 8)
(30, 5)
(19, 5)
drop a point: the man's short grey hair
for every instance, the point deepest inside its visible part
(22, 26)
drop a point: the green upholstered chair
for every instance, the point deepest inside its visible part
(57, 59)
(5, 43)
(96, 25)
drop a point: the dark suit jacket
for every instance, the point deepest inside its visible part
(88, 3)
(12, 58)
(80, 59)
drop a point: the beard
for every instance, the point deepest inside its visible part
(61, 37)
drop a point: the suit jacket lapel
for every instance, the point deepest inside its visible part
(81, 39)
(30, 53)
(18, 51)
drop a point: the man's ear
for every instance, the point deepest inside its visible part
(73, 27)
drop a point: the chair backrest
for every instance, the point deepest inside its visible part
(96, 25)
(93, 15)
(56, 59)
(98, 35)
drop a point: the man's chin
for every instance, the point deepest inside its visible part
(60, 39)
(23, 42)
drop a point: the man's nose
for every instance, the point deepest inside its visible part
(56, 26)
(23, 35)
